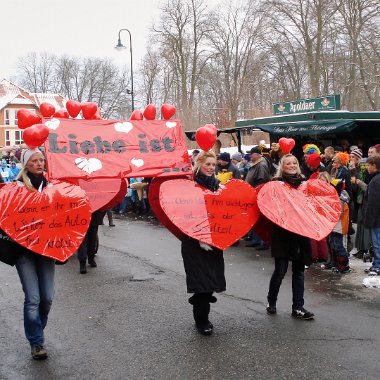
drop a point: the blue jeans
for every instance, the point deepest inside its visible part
(375, 235)
(36, 274)
(280, 269)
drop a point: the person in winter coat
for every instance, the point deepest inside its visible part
(6, 172)
(287, 246)
(226, 170)
(371, 211)
(204, 265)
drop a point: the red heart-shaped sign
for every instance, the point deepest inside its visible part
(206, 137)
(150, 112)
(47, 109)
(286, 144)
(73, 108)
(26, 118)
(89, 109)
(52, 223)
(167, 111)
(62, 114)
(218, 219)
(35, 135)
(311, 210)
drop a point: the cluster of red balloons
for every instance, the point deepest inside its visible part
(206, 136)
(149, 113)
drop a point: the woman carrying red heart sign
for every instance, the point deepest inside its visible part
(204, 265)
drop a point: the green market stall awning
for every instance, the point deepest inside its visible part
(308, 128)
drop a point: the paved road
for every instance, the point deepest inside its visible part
(129, 319)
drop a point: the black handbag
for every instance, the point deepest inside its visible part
(10, 251)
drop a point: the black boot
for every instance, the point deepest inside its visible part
(201, 312)
(82, 267)
(91, 262)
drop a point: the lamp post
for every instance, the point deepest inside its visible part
(120, 46)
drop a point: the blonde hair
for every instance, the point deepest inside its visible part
(22, 175)
(201, 159)
(324, 176)
(280, 169)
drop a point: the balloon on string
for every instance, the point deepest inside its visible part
(73, 108)
(89, 109)
(205, 137)
(286, 144)
(26, 118)
(35, 135)
(150, 112)
(167, 111)
(62, 113)
(47, 109)
(136, 115)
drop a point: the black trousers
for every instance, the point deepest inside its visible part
(89, 244)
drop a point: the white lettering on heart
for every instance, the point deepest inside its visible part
(171, 124)
(88, 165)
(123, 127)
(138, 162)
(52, 124)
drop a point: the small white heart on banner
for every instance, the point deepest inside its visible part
(88, 165)
(52, 124)
(171, 124)
(138, 162)
(123, 127)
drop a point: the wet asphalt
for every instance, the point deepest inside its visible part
(129, 318)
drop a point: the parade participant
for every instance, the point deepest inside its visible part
(6, 172)
(15, 170)
(371, 211)
(226, 170)
(36, 272)
(287, 246)
(327, 158)
(312, 167)
(204, 265)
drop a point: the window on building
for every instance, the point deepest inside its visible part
(7, 138)
(16, 120)
(18, 137)
(7, 120)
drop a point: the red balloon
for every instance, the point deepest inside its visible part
(167, 111)
(286, 144)
(205, 137)
(73, 108)
(150, 112)
(89, 109)
(47, 109)
(211, 127)
(96, 116)
(62, 113)
(35, 135)
(26, 118)
(136, 115)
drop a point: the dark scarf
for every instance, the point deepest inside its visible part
(211, 183)
(36, 180)
(294, 180)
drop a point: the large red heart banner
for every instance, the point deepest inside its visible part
(218, 219)
(311, 210)
(52, 223)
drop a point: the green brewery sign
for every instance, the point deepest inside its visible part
(325, 103)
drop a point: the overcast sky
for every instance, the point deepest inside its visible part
(74, 27)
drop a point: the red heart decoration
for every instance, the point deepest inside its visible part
(218, 219)
(150, 112)
(52, 223)
(286, 144)
(73, 108)
(102, 191)
(96, 116)
(47, 109)
(35, 135)
(26, 118)
(206, 137)
(167, 111)
(89, 109)
(137, 115)
(62, 113)
(311, 210)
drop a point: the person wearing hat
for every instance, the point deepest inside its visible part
(356, 171)
(6, 173)
(236, 159)
(312, 166)
(36, 271)
(246, 164)
(226, 170)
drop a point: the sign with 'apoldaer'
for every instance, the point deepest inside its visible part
(115, 149)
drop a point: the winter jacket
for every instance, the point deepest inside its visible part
(258, 173)
(344, 221)
(371, 203)
(224, 174)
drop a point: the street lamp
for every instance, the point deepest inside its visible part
(120, 46)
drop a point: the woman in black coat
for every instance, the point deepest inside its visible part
(287, 246)
(204, 265)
